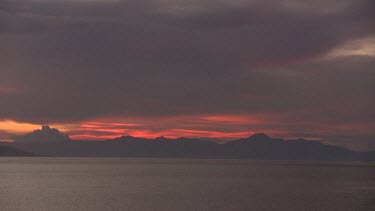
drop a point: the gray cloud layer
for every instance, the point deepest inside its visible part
(75, 60)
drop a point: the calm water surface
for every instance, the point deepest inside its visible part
(184, 184)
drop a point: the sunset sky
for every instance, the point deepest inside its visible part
(99, 69)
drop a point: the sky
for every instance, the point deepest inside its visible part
(99, 69)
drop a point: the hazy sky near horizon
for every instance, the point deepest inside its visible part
(98, 69)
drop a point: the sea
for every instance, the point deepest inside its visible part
(49, 183)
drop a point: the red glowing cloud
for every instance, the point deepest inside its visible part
(224, 127)
(7, 90)
(209, 126)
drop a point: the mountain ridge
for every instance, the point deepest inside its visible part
(256, 146)
(9, 151)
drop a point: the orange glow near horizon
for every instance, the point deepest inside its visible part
(16, 127)
(224, 127)
(205, 126)
(91, 137)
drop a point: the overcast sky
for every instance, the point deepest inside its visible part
(97, 69)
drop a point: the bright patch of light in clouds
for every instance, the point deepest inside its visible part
(362, 47)
(16, 127)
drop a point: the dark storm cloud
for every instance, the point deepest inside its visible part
(75, 60)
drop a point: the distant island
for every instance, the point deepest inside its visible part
(51, 142)
(8, 151)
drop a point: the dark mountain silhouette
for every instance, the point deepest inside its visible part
(49, 141)
(46, 134)
(261, 146)
(8, 151)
